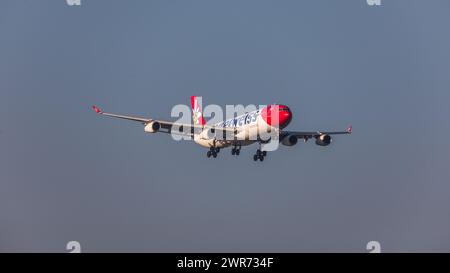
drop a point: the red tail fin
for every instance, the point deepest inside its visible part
(197, 115)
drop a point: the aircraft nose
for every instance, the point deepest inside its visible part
(284, 115)
(281, 111)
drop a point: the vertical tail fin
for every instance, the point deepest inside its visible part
(197, 115)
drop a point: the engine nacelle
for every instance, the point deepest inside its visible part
(152, 127)
(323, 140)
(289, 140)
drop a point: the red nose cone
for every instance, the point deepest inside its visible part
(271, 112)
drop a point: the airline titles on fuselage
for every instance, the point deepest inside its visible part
(248, 118)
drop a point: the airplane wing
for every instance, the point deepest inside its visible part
(168, 126)
(307, 135)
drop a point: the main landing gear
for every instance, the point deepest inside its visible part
(236, 150)
(213, 152)
(259, 155)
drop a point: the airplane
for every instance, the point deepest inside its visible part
(244, 129)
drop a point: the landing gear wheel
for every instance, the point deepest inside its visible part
(235, 150)
(259, 155)
(208, 154)
(214, 155)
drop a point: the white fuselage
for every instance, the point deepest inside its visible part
(247, 125)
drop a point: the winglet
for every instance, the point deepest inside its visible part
(96, 109)
(349, 129)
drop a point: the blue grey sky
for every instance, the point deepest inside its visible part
(67, 174)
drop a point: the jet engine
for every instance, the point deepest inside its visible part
(323, 140)
(152, 127)
(289, 140)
